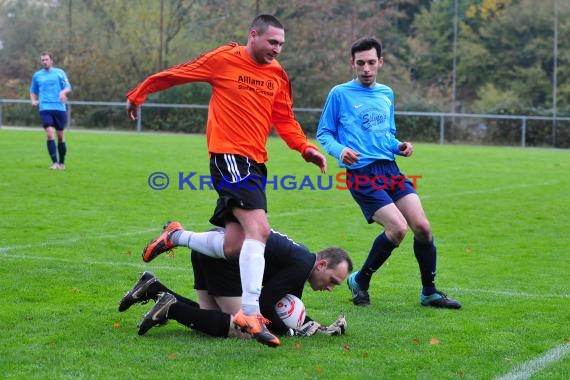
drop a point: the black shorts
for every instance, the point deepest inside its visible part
(218, 276)
(240, 183)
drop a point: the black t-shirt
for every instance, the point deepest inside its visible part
(288, 265)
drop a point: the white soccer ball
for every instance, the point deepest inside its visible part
(291, 310)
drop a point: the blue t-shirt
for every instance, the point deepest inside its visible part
(47, 84)
(360, 118)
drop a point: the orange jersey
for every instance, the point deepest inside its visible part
(247, 100)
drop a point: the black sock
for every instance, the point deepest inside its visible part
(381, 249)
(158, 287)
(52, 151)
(62, 150)
(426, 254)
(211, 322)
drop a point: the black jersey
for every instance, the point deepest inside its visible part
(288, 265)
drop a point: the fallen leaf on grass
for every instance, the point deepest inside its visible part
(319, 370)
(73, 290)
(416, 341)
(171, 254)
(434, 341)
(129, 253)
(297, 346)
(468, 250)
(117, 325)
(172, 355)
(365, 354)
(345, 347)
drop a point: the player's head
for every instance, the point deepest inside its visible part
(366, 59)
(266, 38)
(332, 266)
(46, 59)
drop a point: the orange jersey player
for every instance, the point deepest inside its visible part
(251, 94)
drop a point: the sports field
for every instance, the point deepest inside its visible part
(71, 240)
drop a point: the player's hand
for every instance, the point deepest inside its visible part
(35, 103)
(308, 329)
(132, 110)
(349, 156)
(338, 327)
(314, 156)
(406, 148)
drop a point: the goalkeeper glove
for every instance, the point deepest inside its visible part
(308, 329)
(338, 327)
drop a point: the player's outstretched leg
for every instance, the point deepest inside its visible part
(158, 315)
(161, 244)
(255, 325)
(138, 294)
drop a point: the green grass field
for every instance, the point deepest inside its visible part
(70, 247)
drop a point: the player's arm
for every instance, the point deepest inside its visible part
(271, 293)
(34, 99)
(290, 130)
(195, 70)
(327, 132)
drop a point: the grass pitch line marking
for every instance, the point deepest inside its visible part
(529, 368)
(493, 292)
(425, 196)
(141, 266)
(75, 240)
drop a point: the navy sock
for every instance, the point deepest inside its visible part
(381, 249)
(62, 150)
(426, 255)
(51, 150)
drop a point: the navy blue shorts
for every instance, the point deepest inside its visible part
(239, 183)
(377, 185)
(217, 276)
(56, 119)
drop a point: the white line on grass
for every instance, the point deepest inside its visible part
(45, 244)
(114, 264)
(305, 211)
(529, 368)
(76, 239)
(493, 292)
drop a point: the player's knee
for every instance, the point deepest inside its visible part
(422, 231)
(264, 231)
(397, 233)
(231, 250)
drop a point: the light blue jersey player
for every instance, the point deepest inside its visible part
(358, 128)
(48, 90)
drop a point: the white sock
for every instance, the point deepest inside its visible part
(209, 243)
(251, 267)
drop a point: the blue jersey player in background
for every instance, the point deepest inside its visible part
(358, 128)
(49, 90)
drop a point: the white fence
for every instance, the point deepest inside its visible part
(450, 120)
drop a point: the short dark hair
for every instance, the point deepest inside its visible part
(262, 22)
(364, 44)
(334, 257)
(48, 53)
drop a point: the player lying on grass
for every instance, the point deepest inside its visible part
(288, 266)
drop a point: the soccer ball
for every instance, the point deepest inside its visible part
(291, 310)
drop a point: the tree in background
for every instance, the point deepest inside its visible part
(107, 46)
